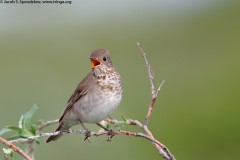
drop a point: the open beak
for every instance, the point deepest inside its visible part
(95, 62)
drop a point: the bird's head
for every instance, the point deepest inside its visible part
(100, 60)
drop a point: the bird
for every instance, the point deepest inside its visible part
(96, 97)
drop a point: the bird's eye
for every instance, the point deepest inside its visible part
(104, 58)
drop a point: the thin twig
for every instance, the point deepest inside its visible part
(15, 148)
(151, 78)
(153, 90)
(162, 149)
(150, 72)
(159, 88)
(45, 124)
(150, 108)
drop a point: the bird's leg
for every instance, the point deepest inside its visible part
(110, 133)
(87, 133)
(102, 127)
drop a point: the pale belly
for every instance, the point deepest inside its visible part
(94, 109)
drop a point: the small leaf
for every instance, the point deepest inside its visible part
(8, 151)
(9, 129)
(29, 114)
(13, 128)
(33, 129)
(37, 141)
(4, 131)
(124, 118)
(24, 121)
(20, 123)
(13, 137)
(108, 126)
(24, 133)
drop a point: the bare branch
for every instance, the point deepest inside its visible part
(45, 124)
(150, 72)
(150, 108)
(96, 134)
(151, 78)
(15, 148)
(162, 149)
(159, 88)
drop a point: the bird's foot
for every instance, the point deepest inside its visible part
(87, 135)
(110, 135)
(110, 132)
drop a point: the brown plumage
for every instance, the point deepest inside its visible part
(96, 96)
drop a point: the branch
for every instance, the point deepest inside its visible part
(159, 88)
(15, 148)
(150, 72)
(109, 133)
(153, 90)
(45, 124)
(162, 149)
(95, 134)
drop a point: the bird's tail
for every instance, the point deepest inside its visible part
(60, 126)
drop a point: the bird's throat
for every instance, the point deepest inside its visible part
(98, 72)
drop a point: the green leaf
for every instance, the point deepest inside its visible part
(37, 141)
(24, 133)
(4, 131)
(9, 129)
(24, 121)
(29, 114)
(8, 151)
(20, 123)
(13, 128)
(124, 118)
(15, 136)
(33, 129)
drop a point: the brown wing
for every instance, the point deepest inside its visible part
(80, 91)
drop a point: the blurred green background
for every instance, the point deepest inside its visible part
(193, 45)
